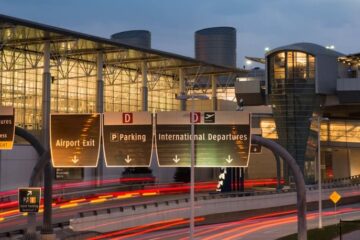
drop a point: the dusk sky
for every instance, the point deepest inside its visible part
(259, 23)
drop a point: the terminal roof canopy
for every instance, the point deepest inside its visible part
(29, 36)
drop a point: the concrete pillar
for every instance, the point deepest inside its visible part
(182, 89)
(144, 88)
(99, 109)
(214, 93)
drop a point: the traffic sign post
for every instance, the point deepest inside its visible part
(222, 139)
(7, 128)
(127, 139)
(75, 139)
(335, 198)
(29, 199)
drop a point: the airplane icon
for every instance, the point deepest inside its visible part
(209, 117)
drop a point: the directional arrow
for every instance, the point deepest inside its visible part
(29, 193)
(75, 159)
(127, 159)
(229, 159)
(176, 159)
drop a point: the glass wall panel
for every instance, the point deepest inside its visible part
(292, 95)
(21, 86)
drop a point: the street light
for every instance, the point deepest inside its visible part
(192, 155)
(319, 119)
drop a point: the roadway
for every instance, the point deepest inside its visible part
(64, 211)
(263, 226)
(68, 210)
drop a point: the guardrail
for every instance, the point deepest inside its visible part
(336, 183)
(15, 234)
(138, 214)
(217, 195)
(210, 196)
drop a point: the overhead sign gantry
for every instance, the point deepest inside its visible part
(222, 139)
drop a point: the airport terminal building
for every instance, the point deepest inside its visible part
(88, 74)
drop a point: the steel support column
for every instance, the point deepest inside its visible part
(144, 87)
(182, 90)
(278, 172)
(299, 181)
(45, 140)
(99, 109)
(214, 93)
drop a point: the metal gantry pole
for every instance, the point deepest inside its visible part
(48, 175)
(192, 161)
(319, 172)
(192, 173)
(214, 93)
(144, 87)
(299, 181)
(182, 90)
(99, 109)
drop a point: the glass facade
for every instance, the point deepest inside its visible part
(291, 84)
(333, 132)
(73, 88)
(73, 68)
(74, 62)
(21, 86)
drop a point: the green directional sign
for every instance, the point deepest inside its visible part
(127, 138)
(75, 140)
(7, 128)
(222, 139)
(29, 199)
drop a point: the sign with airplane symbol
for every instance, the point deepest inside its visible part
(222, 139)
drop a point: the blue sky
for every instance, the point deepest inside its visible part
(259, 23)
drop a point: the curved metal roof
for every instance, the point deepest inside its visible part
(311, 48)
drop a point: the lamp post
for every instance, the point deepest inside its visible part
(319, 119)
(192, 156)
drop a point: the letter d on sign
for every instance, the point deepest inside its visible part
(127, 117)
(197, 117)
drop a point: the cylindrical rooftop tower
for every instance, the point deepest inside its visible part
(138, 38)
(216, 45)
